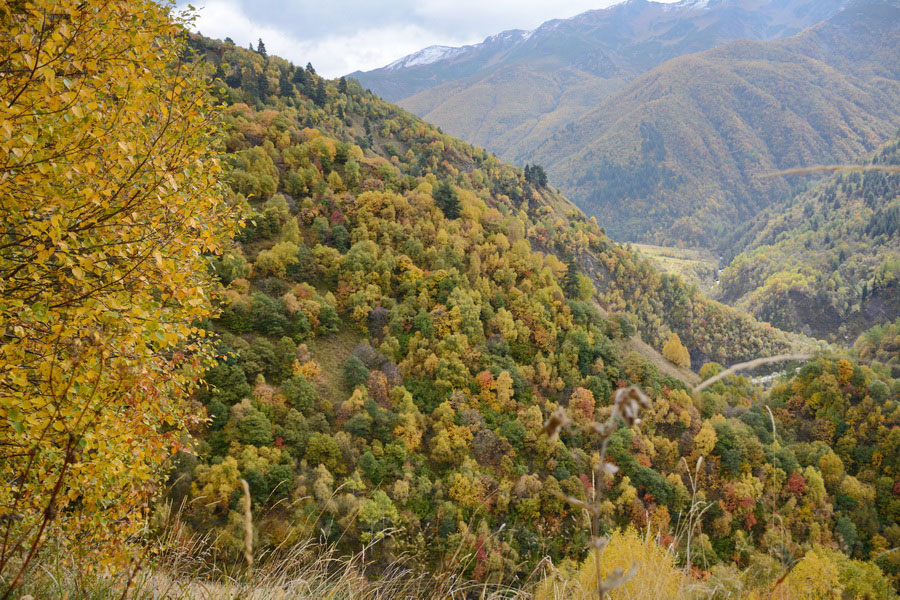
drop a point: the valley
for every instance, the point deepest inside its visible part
(694, 266)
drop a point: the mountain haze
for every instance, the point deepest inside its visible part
(615, 43)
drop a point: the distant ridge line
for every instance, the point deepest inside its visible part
(832, 168)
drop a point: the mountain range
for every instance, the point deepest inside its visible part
(615, 43)
(660, 118)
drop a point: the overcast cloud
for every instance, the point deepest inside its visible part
(342, 36)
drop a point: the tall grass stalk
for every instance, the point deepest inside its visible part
(627, 405)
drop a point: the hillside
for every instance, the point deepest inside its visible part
(623, 132)
(827, 262)
(520, 96)
(676, 156)
(398, 325)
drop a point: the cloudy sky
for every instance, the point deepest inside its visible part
(341, 36)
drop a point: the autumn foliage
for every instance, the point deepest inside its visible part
(675, 352)
(390, 368)
(110, 204)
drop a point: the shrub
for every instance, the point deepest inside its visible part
(255, 429)
(299, 393)
(829, 574)
(322, 449)
(657, 576)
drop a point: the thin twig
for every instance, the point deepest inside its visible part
(248, 528)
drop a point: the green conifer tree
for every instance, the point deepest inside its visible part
(447, 199)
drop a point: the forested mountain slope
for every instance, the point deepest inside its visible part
(677, 155)
(397, 325)
(390, 143)
(827, 262)
(661, 145)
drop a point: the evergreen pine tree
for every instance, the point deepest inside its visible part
(285, 86)
(301, 79)
(320, 96)
(446, 198)
(233, 80)
(261, 49)
(535, 175)
(262, 85)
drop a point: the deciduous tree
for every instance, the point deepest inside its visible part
(110, 200)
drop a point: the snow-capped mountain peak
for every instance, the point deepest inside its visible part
(426, 56)
(510, 35)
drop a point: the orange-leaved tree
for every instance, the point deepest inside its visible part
(109, 206)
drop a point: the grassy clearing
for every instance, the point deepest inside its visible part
(696, 266)
(664, 366)
(330, 352)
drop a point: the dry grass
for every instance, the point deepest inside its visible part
(307, 572)
(330, 352)
(627, 404)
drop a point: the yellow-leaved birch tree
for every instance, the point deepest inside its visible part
(110, 204)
